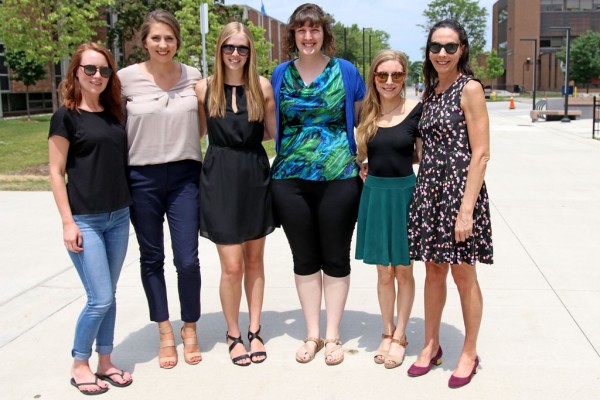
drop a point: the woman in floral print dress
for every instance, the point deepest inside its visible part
(449, 221)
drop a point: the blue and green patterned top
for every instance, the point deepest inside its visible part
(314, 143)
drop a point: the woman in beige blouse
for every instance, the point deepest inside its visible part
(165, 160)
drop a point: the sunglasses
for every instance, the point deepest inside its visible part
(450, 48)
(382, 77)
(90, 70)
(229, 49)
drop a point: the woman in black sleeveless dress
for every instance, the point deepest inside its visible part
(237, 109)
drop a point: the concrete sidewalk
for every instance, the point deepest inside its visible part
(540, 337)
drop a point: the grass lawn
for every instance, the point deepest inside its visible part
(24, 153)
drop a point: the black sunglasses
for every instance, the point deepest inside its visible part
(450, 48)
(382, 77)
(90, 70)
(229, 49)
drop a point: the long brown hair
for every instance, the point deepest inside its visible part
(315, 16)
(254, 95)
(70, 89)
(371, 111)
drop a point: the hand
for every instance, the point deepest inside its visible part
(364, 171)
(72, 237)
(463, 228)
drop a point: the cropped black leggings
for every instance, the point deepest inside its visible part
(318, 219)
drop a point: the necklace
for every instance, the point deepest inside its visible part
(393, 109)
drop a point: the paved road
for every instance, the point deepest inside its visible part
(540, 337)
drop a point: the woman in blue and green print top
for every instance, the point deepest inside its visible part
(315, 184)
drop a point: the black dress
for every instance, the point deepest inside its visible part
(235, 200)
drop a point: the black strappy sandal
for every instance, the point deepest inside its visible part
(235, 342)
(251, 337)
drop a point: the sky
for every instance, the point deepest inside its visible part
(399, 18)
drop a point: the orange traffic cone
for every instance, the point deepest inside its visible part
(512, 104)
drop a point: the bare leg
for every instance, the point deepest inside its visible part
(254, 285)
(336, 293)
(435, 300)
(471, 301)
(230, 290)
(386, 294)
(405, 300)
(310, 292)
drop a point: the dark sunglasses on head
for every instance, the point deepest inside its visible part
(90, 70)
(229, 49)
(450, 48)
(382, 77)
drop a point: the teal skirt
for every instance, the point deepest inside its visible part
(381, 234)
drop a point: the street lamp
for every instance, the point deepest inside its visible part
(364, 57)
(568, 29)
(535, 57)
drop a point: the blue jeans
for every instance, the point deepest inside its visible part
(105, 238)
(169, 189)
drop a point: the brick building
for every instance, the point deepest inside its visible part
(513, 20)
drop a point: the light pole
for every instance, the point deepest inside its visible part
(364, 56)
(535, 58)
(565, 117)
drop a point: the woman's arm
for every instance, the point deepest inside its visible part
(478, 129)
(200, 90)
(270, 123)
(58, 149)
(418, 152)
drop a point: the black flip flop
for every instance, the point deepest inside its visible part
(87, 392)
(108, 379)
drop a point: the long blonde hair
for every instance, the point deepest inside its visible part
(254, 96)
(371, 111)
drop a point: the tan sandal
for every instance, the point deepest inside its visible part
(380, 358)
(190, 341)
(164, 343)
(329, 351)
(311, 353)
(396, 361)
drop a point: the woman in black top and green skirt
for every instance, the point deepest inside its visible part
(388, 141)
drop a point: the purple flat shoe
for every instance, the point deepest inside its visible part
(415, 370)
(455, 382)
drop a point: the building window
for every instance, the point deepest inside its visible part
(551, 5)
(4, 81)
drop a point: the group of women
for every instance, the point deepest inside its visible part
(129, 143)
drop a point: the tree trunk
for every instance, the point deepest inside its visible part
(27, 103)
(53, 82)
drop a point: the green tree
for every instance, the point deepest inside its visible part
(495, 65)
(584, 59)
(49, 31)
(349, 43)
(415, 72)
(467, 12)
(25, 70)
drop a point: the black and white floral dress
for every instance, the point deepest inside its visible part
(441, 184)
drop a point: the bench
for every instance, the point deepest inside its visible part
(553, 115)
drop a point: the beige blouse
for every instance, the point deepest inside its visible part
(162, 125)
